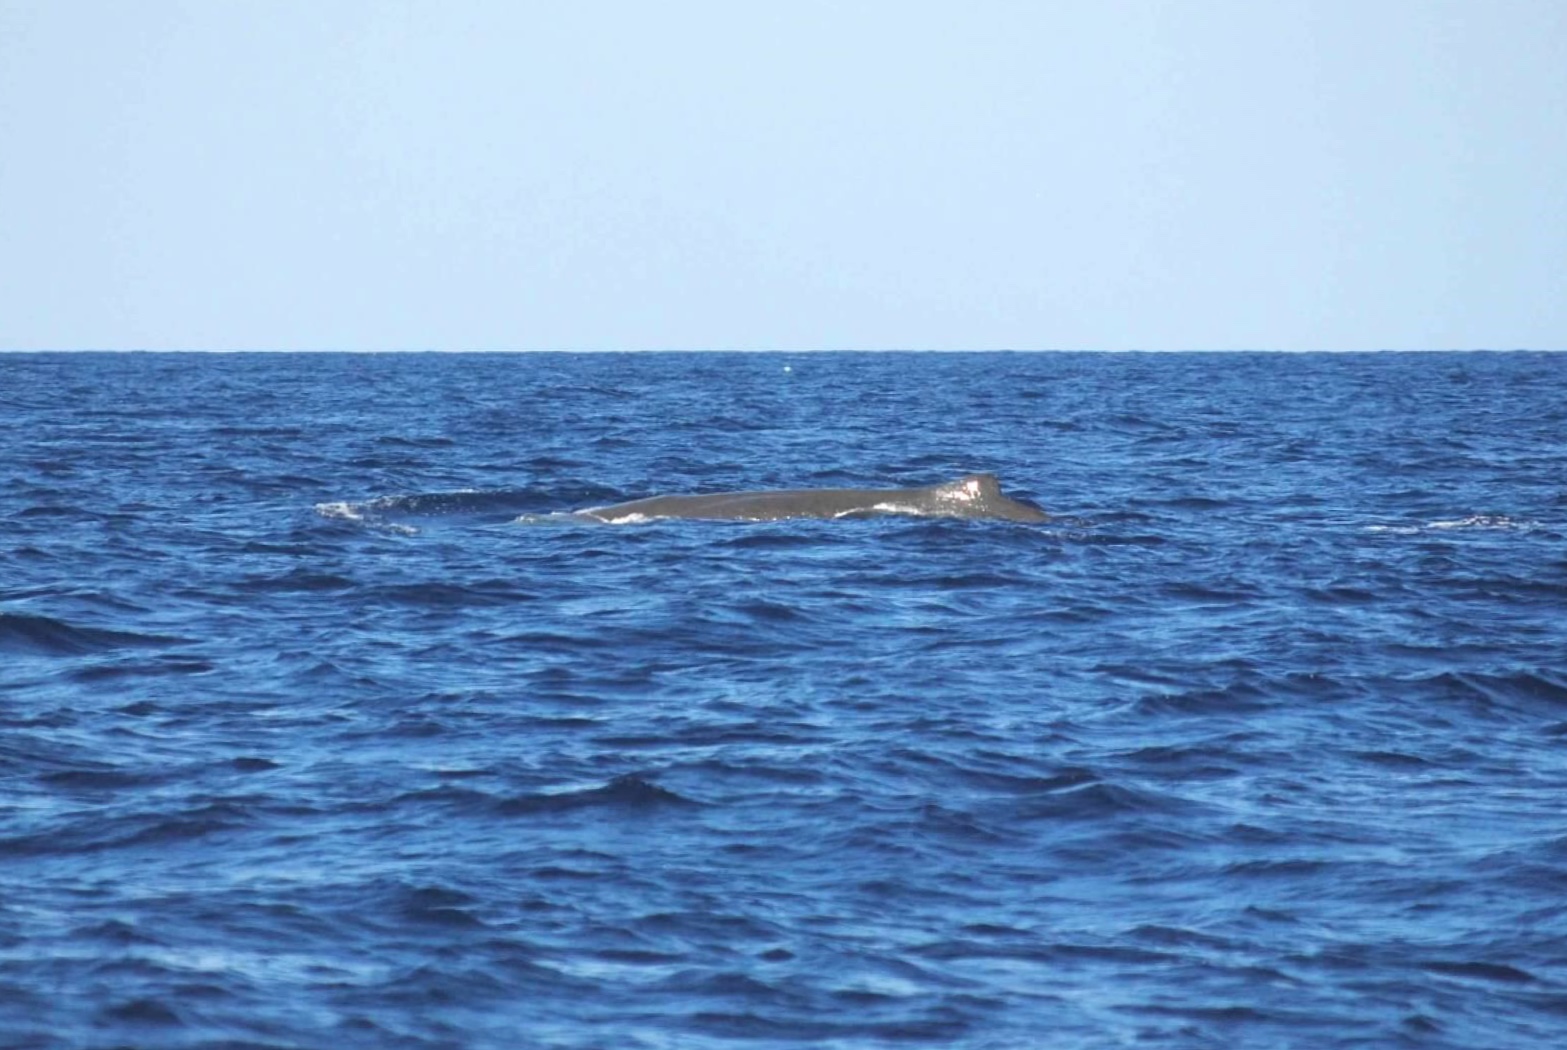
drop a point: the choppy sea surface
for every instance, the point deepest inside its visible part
(306, 740)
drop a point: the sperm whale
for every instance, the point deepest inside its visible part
(971, 496)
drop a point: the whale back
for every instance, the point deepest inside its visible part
(971, 496)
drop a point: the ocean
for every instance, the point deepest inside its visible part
(318, 729)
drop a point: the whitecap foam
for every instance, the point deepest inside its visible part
(359, 514)
(1483, 521)
(341, 510)
(554, 517)
(887, 508)
(1493, 522)
(592, 514)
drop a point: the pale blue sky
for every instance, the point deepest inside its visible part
(502, 174)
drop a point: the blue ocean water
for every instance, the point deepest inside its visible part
(306, 740)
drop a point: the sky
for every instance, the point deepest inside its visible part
(783, 174)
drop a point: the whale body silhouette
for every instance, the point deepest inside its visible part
(972, 496)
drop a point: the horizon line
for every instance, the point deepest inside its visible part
(780, 350)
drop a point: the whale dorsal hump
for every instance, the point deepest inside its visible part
(976, 488)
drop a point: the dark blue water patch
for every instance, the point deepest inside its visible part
(23, 633)
(305, 737)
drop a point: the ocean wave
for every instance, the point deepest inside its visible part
(26, 633)
(1200, 763)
